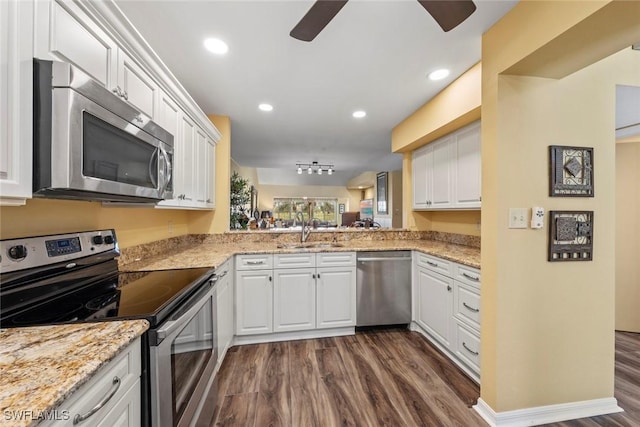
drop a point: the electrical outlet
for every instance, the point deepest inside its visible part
(518, 217)
(537, 217)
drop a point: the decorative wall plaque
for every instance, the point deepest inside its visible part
(571, 236)
(570, 171)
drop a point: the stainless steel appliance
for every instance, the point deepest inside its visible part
(90, 144)
(383, 288)
(74, 278)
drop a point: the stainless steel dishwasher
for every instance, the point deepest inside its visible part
(383, 288)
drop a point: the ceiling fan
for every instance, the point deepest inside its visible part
(447, 13)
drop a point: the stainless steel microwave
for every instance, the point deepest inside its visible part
(91, 145)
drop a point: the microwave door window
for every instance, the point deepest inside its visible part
(111, 154)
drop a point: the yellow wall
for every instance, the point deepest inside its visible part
(133, 225)
(547, 328)
(451, 109)
(217, 221)
(627, 236)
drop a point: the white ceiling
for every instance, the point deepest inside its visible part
(374, 55)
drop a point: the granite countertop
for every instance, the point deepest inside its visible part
(214, 254)
(41, 366)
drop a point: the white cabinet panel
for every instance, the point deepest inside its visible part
(435, 296)
(440, 174)
(135, 85)
(74, 38)
(421, 192)
(224, 297)
(467, 346)
(336, 297)
(210, 201)
(468, 166)
(16, 101)
(254, 302)
(294, 299)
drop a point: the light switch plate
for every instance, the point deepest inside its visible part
(518, 217)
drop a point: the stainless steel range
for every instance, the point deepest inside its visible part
(74, 277)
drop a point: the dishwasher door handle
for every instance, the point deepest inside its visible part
(371, 259)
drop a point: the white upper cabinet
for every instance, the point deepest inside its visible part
(468, 167)
(64, 32)
(210, 201)
(16, 101)
(135, 86)
(446, 172)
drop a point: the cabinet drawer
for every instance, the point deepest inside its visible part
(466, 301)
(125, 366)
(254, 262)
(335, 259)
(294, 260)
(225, 269)
(468, 347)
(435, 264)
(468, 275)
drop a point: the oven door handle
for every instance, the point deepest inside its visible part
(194, 303)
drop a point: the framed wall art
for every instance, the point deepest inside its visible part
(571, 236)
(570, 171)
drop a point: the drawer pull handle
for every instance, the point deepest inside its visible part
(255, 262)
(432, 264)
(114, 389)
(468, 276)
(475, 353)
(468, 307)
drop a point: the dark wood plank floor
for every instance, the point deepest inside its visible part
(378, 378)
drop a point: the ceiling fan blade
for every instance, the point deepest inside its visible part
(320, 14)
(449, 13)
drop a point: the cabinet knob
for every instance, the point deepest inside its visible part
(449, 288)
(270, 278)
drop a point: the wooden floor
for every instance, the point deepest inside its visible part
(381, 378)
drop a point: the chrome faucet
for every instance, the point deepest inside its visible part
(305, 230)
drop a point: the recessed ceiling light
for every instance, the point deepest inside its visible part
(359, 114)
(216, 46)
(439, 74)
(265, 107)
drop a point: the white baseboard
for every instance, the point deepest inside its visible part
(547, 414)
(288, 336)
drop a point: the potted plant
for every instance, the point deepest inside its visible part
(240, 197)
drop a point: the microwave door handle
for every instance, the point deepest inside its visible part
(167, 169)
(153, 174)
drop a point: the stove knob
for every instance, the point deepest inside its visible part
(18, 252)
(108, 240)
(97, 240)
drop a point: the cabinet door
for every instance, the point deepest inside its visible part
(294, 299)
(419, 177)
(435, 304)
(225, 312)
(468, 166)
(200, 183)
(126, 413)
(73, 37)
(336, 296)
(185, 167)
(211, 175)
(16, 101)
(135, 85)
(440, 172)
(254, 302)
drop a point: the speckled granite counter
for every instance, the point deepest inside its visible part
(214, 254)
(42, 366)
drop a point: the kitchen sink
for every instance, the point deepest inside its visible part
(310, 245)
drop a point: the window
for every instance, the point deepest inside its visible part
(324, 210)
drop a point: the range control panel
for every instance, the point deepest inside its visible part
(29, 252)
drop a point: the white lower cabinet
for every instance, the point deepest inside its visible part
(435, 296)
(302, 292)
(446, 308)
(294, 299)
(336, 297)
(115, 388)
(224, 301)
(254, 302)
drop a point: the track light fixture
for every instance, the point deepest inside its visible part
(315, 167)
